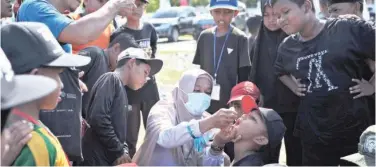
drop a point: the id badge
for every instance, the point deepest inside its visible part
(215, 95)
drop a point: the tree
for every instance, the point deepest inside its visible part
(152, 6)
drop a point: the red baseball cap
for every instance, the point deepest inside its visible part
(242, 89)
(248, 104)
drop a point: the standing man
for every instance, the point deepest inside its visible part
(104, 143)
(144, 99)
(68, 32)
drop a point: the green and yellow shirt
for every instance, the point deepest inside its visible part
(44, 149)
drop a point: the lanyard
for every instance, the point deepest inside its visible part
(25, 116)
(216, 64)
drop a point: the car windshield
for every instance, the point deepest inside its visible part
(166, 14)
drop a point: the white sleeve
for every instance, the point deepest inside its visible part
(179, 135)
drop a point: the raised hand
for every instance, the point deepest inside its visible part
(224, 118)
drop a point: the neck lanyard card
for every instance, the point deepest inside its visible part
(215, 95)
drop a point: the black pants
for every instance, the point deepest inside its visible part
(292, 144)
(133, 123)
(327, 155)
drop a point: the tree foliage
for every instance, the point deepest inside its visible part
(153, 6)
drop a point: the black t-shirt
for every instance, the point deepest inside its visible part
(146, 37)
(107, 117)
(235, 56)
(254, 159)
(98, 66)
(326, 65)
(65, 120)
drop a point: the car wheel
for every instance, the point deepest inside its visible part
(174, 36)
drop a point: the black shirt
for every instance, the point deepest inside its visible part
(254, 159)
(104, 141)
(98, 66)
(326, 65)
(235, 56)
(65, 120)
(145, 38)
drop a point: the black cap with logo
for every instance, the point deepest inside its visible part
(31, 45)
(20, 89)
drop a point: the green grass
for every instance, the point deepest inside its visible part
(175, 63)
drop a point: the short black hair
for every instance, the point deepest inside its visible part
(299, 3)
(125, 40)
(253, 24)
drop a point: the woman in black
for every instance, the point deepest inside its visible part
(320, 63)
(275, 95)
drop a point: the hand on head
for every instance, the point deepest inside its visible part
(124, 6)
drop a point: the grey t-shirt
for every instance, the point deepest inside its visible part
(235, 56)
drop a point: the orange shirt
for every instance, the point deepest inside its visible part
(102, 41)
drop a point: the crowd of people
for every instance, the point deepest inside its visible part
(74, 84)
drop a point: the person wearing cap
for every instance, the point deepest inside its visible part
(366, 150)
(22, 98)
(322, 66)
(102, 61)
(270, 153)
(255, 131)
(104, 142)
(41, 56)
(144, 99)
(68, 32)
(179, 128)
(90, 6)
(15, 134)
(222, 51)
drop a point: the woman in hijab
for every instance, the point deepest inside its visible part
(178, 128)
(275, 95)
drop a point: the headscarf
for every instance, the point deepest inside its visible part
(265, 47)
(170, 112)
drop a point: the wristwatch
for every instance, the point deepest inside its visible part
(216, 148)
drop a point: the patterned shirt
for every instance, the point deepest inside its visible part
(43, 149)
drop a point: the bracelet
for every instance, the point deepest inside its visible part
(191, 132)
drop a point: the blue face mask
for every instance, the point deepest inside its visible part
(197, 103)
